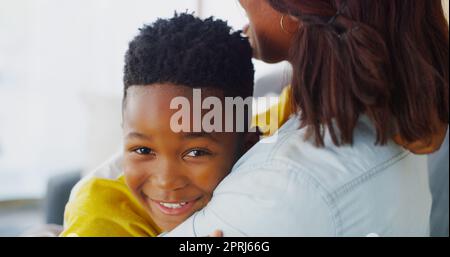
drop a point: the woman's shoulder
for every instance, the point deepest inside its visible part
(331, 166)
(339, 186)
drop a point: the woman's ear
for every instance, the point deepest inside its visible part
(289, 24)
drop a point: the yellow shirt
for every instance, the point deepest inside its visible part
(106, 207)
(280, 112)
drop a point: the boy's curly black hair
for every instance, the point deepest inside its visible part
(188, 51)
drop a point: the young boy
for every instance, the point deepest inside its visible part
(167, 175)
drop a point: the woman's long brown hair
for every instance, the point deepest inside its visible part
(387, 59)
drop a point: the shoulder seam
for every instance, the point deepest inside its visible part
(368, 174)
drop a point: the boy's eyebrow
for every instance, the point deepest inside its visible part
(137, 135)
(193, 135)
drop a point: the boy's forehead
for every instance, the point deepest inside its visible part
(166, 98)
(171, 90)
(156, 104)
(157, 108)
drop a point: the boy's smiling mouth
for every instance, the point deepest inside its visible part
(173, 208)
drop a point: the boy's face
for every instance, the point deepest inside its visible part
(172, 174)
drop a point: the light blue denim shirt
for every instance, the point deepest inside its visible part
(292, 188)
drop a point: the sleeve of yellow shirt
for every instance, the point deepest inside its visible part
(106, 208)
(280, 113)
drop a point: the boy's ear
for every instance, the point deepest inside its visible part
(251, 138)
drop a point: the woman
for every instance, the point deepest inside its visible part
(365, 72)
(387, 68)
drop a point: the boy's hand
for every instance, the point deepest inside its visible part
(216, 233)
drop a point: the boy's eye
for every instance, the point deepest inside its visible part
(143, 151)
(197, 153)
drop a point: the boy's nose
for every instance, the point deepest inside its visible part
(169, 178)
